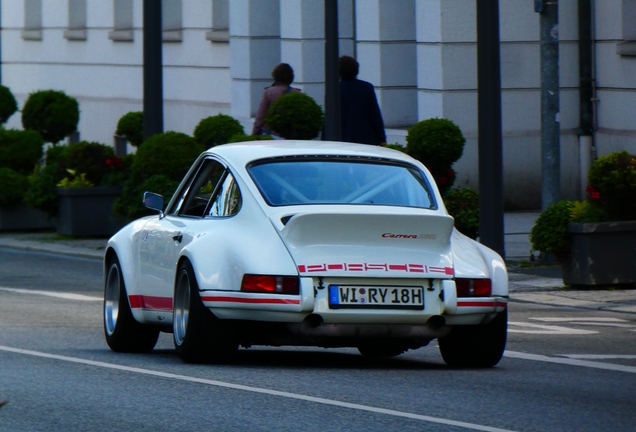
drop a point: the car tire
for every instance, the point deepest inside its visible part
(199, 337)
(477, 346)
(123, 333)
(381, 350)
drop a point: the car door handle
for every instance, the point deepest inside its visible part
(178, 237)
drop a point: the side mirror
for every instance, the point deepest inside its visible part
(154, 201)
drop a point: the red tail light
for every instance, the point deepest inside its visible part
(270, 284)
(473, 287)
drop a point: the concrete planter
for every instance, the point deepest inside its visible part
(87, 211)
(23, 218)
(601, 254)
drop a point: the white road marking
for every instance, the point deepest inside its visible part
(259, 390)
(546, 329)
(592, 319)
(66, 296)
(599, 356)
(570, 362)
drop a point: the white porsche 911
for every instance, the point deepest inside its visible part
(304, 243)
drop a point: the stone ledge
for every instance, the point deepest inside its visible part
(627, 48)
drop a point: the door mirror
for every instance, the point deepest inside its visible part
(154, 201)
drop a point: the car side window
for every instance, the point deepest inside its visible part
(205, 182)
(227, 201)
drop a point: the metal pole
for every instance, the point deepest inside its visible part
(491, 231)
(153, 74)
(332, 85)
(550, 127)
(586, 93)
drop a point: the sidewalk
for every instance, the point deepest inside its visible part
(528, 283)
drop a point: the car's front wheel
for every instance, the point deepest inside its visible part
(199, 337)
(479, 346)
(123, 333)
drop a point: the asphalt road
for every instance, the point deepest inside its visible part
(565, 370)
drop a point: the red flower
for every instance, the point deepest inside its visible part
(115, 161)
(591, 190)
(450, 173)
(443, 180)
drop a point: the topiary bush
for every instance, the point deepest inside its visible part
(170, 154)
(88, 158)
(612, 185)
(295, 116)
(52, 113)
(8, 104)
(13, 186)
(159, 165)
(20, 150)
(438, 144)
(550, 232)
(463, 205)
(216, 130)
(243, 138)
(41, 192)
(131, 127)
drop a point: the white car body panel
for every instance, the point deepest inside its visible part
(322, 244)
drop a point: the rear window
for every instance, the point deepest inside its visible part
(340, 181)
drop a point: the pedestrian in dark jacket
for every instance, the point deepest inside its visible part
(283, 75)
(361, 119)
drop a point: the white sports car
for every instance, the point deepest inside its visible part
(304, 243)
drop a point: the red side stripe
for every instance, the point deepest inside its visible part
(250, 300)
(150, 302)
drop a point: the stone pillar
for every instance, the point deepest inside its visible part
(254, 51)
(386, 51)
(303, 44)
(447, 61)
(347, 27)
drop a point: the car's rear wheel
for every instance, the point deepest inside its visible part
(479, 346)
(199, 337)
(372, 350)
(123, 333)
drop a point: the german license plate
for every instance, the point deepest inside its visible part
(346, 296)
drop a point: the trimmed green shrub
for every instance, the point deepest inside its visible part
(131, 127)
(20, 150)
(242, 138)
(130, 206)
(295, 116)
(216, 130)
(170, 154)
(435, 142)
(8, 104)
(88, 158)
(438, 144)
(52, 113)
(13, 186)
(159, 166)
(612, 185)
(550, 231)
(463, 205)
(41, 192)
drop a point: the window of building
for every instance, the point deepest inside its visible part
(172, 20)
(32, 20)
(76, 20)
(122, 21)
(628, 46)
(220, 22)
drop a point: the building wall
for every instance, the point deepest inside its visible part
(420, 54)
